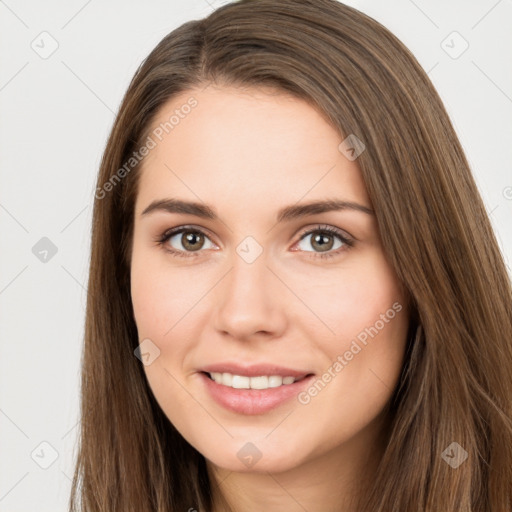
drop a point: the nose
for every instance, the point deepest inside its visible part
(250, 301)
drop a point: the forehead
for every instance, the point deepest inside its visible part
(245, 145)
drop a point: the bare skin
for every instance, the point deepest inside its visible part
(249, 154)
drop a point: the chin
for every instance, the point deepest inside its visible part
(246, 457)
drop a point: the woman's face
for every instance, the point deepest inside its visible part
(257, 287)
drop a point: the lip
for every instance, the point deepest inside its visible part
(253, 401)
(254, 370)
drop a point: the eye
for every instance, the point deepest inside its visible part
(187, 241)
(184, 241)
(325, 240)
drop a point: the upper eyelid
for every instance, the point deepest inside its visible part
(328, 228)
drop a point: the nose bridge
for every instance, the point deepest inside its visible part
(247, 301)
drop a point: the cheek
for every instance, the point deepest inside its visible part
(351, 300)
(162, 295)
(167, 310)
(365, 357)
(163, 304)
(365, 309)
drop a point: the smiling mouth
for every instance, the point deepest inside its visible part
(257, 382)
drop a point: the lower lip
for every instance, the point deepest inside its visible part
(253, 401)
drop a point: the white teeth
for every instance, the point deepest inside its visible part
(226, 379)
(275, 381)
(259, 382)
(243, 382)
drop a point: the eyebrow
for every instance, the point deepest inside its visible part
(288, 213)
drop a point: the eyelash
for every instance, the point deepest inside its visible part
(348, 243)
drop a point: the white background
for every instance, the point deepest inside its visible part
(56, 114)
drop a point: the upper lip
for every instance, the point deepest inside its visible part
(254, 370)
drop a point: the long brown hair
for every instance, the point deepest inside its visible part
(456, 383)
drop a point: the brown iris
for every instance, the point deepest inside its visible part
(320, 239)
(192, 240)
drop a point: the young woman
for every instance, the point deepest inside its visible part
(296, 300)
